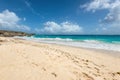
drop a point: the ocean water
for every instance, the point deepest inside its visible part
(106, 42)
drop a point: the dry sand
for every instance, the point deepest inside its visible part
(26, 60)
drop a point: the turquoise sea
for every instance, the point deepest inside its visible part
(99, 38)
(107, 42)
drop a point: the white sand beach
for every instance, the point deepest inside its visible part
(27, 60)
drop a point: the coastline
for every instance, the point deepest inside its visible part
(92, 43)
(25, 60)
(104, 51)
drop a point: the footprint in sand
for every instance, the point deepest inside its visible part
(54, 74)
(98, 70)
(118, 73)
(43, 69)
(35, 64)
(87, 77)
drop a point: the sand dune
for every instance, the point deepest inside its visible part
(26, 60)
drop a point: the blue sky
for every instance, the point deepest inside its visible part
(61, 16)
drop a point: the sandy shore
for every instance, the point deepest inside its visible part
(26, 60)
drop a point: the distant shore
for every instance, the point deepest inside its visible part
(28, 60)
(6, 33)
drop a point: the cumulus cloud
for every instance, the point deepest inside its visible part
(51, 27)
(10, 21)
(111, 22)
(113, 6)
(97, 5)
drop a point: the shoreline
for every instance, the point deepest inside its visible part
(104, 51)
(90, 44)
(28, 60)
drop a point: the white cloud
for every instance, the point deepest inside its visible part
(111, 22)
(113, 6)
(51, 27)
(10, 21)
(97, 5)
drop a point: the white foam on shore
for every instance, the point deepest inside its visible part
(85, 43)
